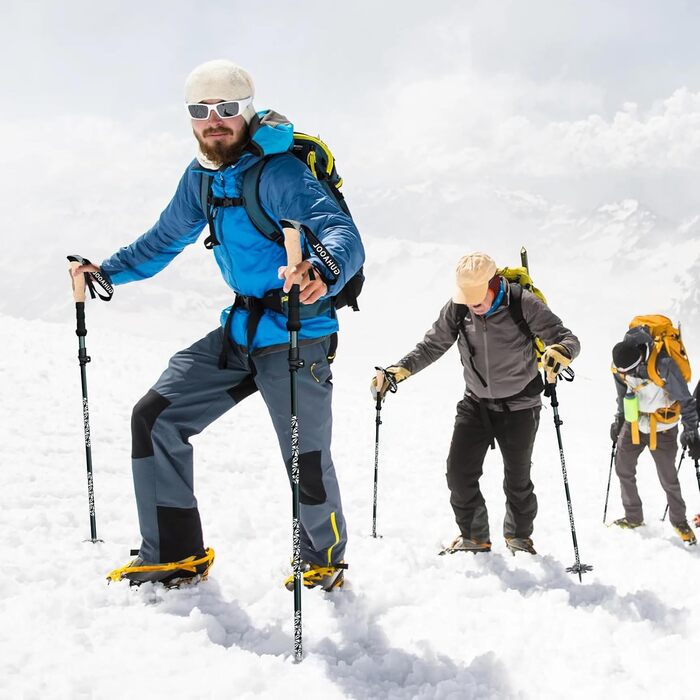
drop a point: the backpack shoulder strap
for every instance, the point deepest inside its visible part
(205, 202)
(250, 191)
(515, 307)
(204, 190)
(461, 315)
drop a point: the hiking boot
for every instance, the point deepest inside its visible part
(187, 571)
(467, 544)
(685, 533)
(626, 524)
(520, 544)
(313, 575)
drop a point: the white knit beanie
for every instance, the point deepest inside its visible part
(220, 80)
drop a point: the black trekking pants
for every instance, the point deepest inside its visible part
(514, 431)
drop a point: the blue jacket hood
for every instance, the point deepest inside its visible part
(270, 132)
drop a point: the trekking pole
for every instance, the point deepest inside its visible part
(607, 491)
(293, 248)
(696, 519)
(382, 376)
(577, 567)
(78, 283)
(678, 469)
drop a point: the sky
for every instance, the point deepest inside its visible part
(476, 123)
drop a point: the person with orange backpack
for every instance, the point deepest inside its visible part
(651, 371)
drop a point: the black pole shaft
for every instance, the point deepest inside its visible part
(377, 422)
(697, 471)
(83, 359)
(557, 423)
(678, 470)
(293, 325)
(607, 491)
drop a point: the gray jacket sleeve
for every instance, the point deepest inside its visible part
(621, 389)
(544, 323)
(437, 341)
(677, 389)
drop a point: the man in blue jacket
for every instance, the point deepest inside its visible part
(248, 351)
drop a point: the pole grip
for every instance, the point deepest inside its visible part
(293, 322)
(292, 246)
(78, 284)
(80, 330)
(380, 382)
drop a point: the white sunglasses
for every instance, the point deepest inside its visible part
(225, 110)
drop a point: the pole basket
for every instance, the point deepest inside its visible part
(579, 569)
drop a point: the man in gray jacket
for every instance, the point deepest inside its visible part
(494, 323)
(658, 409)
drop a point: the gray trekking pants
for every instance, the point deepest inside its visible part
(664, 457)
(192, 393)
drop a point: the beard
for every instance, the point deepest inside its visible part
(219, 152)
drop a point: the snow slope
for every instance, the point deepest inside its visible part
(409, 624)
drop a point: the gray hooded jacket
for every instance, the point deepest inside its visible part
(502, 354)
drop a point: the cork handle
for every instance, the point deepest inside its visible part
(380, 380)
(78, 283)
(292, 245)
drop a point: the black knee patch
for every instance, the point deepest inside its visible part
(144, 415)
(312, 491)
(242, 390)
(180, 533)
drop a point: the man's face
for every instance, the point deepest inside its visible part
(485, 305)
(221, 140)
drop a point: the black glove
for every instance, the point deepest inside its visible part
(690, 440)
(616, 427)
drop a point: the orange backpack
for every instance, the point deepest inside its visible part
(666, 337)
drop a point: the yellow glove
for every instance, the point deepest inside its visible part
(397, 374)
(554, 359)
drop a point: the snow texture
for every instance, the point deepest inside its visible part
(408, 624)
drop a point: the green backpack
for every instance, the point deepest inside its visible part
(520, 279)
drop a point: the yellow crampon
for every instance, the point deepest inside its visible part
(328, 577)
(685, 533)
(188, 564)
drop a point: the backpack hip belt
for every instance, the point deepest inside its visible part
(274, 300)
(665, 415)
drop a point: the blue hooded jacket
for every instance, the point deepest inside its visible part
(249, 261)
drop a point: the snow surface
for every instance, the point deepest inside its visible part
(408, 624)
